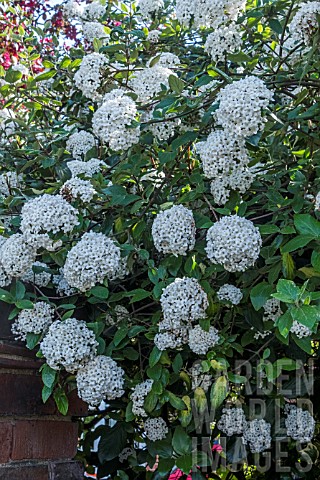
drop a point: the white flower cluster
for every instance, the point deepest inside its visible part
(272, 310)
(61, 284)
(305, 22)
(163, 129)
(9, 181)
(112, 120)
(208, 13)
(240, 179)
(300, 424)
(155, 429)
(16, 257)
(232, 421)
(233, 242)
(79, 143)
(75, 188)
(36, 320)
(174, 231)
(153, 36)
(88, 169)
(240, 106)
(93, 11)
(100, 378)
(41, 279)
(125, 454)
(199, 379)
(138, 396)
(300, 330)
(68, 344)
(148, 8)
(92, 30)
(230, 293)
(317, 201)
(257, 435)
(165, 59)
(224, 40)
(47, 214)
(93, 259)
(173, 339)
(119, 315)
(71, 9)
(146, 83)
(201, 341)
(184, 300)
(88, 77)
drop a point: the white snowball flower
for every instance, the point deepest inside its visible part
(240, 106)
(173, 339)
(9, 181)
(112, 121)
(222, 153)
(71, 9)
(300, 330)
(100, 379)
(68, 344)
(76, 188)
(92, 30)
(138, 396)
(79, 143)
(208, 13)
(165, 59)
(163, 129)
(232, 421)
(88, 77)
(17, 256)
(7, 124)
(41, 279)
(47, 214)
(93, 11)
(174, 231)
(119, 314)
(93, 259)
(317, 202)
(223, 41)
(300, 424)
(146, 83)
(154, 36)
(257, 435)
(200, 379)
(155, 429)
(125, 454)
(201, 341)
(36, 320)
(149, 8)
(88, 169)
(305, 22)
(184, 300)
(62, 286)
(233, 242)
(272, 310)
(240, 179)
(20, 68)
(230, 293)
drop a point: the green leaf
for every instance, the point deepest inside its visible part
(181, 441)
(288, 291)
(176, 84)
(296, 243)
(307, 225)
(176, 402)
(154, 356)
(237, 378)
(100, 292)
(185, 463)
(308, 315)
(139, 294)
(12, 76)
(259, 294)
(284, 323)
(113, 440)
(288, 266)
(303, 343)
(45, 76)
(120, 335)
(32, 340)
(48, 375)
(6, 296)
(275, 26)
(218, 392)
(24, 304)
(315, 260)
(177, 363)
(150, 402)
(46, 392)
(61, 400)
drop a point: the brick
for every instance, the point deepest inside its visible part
(70, 470)
(6, 430)
(44, 439)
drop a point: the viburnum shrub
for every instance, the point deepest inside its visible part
(160, 231)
